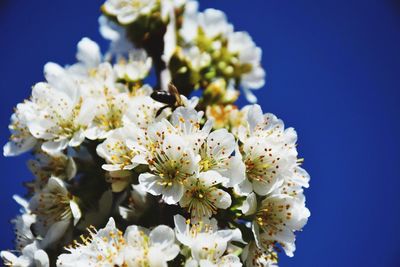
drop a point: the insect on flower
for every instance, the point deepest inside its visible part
(171, 98)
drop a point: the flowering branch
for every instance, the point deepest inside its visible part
(129, 174)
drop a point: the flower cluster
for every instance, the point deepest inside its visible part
(174, 179)
(200, 50)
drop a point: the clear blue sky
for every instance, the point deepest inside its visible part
(333, 73)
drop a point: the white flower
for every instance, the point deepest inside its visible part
(111, 31)
(229, 260)
(61, 114)
(88, 53)
(154, 248)
(202, 198)
(31, 256)
(138, 202)
(293, 185)
(127, 11)
(117, 149)
(254, 256)
(276, 220)
(56, 209)
(142, 110)
(264, 125)
(137, 247)
(186, 123)
(170, 40)
(197, 59)
(207, 244)
(250, 55)
(96, 82)
(268, 152)
(22, 224)
(189, 29)
(21, 139)
(108, 112)
(267, 165)
(136, 68)
(45, 165)
(214, 23)
(167, 6)
(216, 154)
(23, 233)
(171, 164)
(102, 248)
(113, 110)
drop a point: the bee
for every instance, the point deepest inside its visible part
(170, 98)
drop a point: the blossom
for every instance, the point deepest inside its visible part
(216, 154)
(105, 143)
(254, 256)
(266, 166)
(277, 218)
(45, 165)
(170, 166)
(142, 109)
(249, 57)
(202, 198)
(113, 110)
(150, 248)
(117, 149)
(88, 53)
(111, 31)
(211, 22)
(227, 116)
(231, 55)
(138, 203)
(127, 11)
(102, 248)
(136, 68)
(109, 247)
(108, 112)
(268, 152)
(185, 121)
(56, 209)
(21, 139)
(31, 256)
(198, 59)
(61, 114)
(206, 242)
(22, 224)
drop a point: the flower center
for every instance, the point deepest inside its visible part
(257, 168)
(170, 170)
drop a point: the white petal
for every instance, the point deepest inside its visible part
(172, 194)
(151, 183)
(76, 212)
(223, 199)
(235, 172)
(88, 52)
(162, 235)
(181, 229)
(77, 139)
(15, 149)
(249, 206)
(54, 147)
(249, 95)
(8, 256)
(41, 258)
(244, 188)
(55, 232)
(255, 116)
